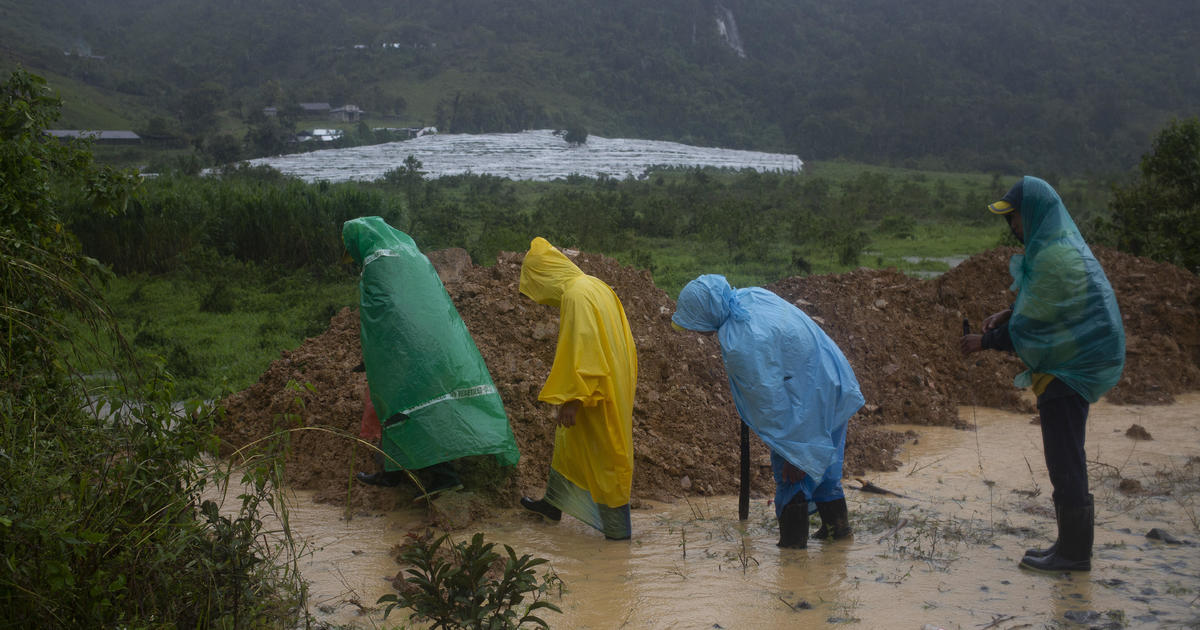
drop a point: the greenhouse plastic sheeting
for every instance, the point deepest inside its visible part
(429, 384)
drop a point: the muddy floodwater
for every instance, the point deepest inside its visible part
(945, 554)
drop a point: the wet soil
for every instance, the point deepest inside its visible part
(946, 554)
(899, 333)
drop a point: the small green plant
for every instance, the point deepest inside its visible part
(469, 586)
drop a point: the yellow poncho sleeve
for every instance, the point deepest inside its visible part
(595, 363)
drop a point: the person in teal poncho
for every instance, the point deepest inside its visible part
(792, 386)
(1066, 327)
(428, 384)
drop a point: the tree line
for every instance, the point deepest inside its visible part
(1013, 87)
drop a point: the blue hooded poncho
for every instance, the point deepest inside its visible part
(791, 384)
(1065, 320)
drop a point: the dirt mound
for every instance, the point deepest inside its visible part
(1160, 306)
(899, 333)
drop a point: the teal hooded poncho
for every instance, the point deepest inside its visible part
(429, 384)
(1065, 320)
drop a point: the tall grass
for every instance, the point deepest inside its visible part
(101, 518)
(216, 332)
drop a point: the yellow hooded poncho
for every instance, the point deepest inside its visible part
(596, 363)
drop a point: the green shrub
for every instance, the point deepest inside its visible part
(98, 519)
(470, 586)
(1158, 214)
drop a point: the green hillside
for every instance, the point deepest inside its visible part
(1011, 86)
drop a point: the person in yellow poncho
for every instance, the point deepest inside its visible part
(592, 381)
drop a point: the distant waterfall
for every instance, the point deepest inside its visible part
(728, 30)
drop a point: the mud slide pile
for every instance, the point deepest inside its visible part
(899, 333)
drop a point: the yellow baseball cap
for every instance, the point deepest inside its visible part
(1010, 201)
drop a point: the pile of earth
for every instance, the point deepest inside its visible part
(899, 333)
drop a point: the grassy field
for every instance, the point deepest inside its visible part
(216, 327)
(218, 335)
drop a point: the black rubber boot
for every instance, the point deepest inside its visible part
(793, 524)
(386, 479)
(835, 518)
(1073, 552)
(442, 478)
(541, 506)
(1042, 553)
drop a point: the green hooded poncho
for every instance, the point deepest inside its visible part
(1065, 320)
(429, 384)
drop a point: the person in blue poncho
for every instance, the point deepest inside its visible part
(792, 386)
(1066, 328)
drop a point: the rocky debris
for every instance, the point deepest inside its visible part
(1130, 486)
(1163, 535)
(899, 333)
(1137, 432)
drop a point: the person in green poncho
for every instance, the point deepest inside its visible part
(428, 383)
(1066, 327)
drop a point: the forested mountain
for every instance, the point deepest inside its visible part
(1013, 85)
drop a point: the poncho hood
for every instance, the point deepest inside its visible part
(706, 303)
(546, 273)
(366, 235)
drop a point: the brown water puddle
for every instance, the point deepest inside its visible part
(946, 555)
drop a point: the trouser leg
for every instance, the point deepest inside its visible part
(835, 519)
(1064, 427)
(793, 523)
(1073, 552)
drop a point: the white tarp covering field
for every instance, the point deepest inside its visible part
(535, 155)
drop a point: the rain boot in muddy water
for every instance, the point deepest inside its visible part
(1073, 552)
(835, 520)
(1041, 553)
(442, 478)
(543, 507)
(385, 479)
(793, 524)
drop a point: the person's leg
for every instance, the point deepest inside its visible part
(793, 523)
(439, 478)
(543, 507)
(1064, 426)
(831, 505)
(382, 477)
(791, 504)
(829, 497)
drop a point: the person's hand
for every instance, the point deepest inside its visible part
(791, 474)
(996, 319)
(970, 343)
(566, 413)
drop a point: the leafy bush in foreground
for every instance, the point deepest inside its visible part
(470, 586)
(101, 520)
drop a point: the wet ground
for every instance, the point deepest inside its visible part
(945, 555)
